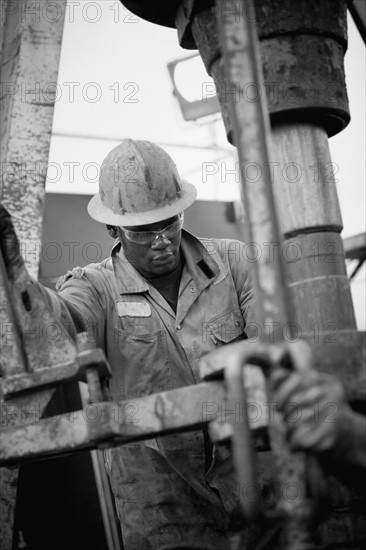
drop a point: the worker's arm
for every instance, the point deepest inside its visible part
(319, 420)
(240, 269)
(78, 306)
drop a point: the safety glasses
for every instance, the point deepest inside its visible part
(148, 237)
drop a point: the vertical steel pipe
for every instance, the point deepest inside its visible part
(251, 132)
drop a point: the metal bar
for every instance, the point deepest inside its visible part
(310, 220)
(30, 52)
(251, 130)
(113, 423)
(13, 358)
(251, 136)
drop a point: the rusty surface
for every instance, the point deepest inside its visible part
(56, 373)
(291, 469)
(51, 354)
(30, 47)
(341, 353)
(284, 17)
(302, 57)
(205, 33)
(251, 131)
(105, 424)
(12, 358)
(251, 136)
(95, 369)
(30, 59)
(112, 423)
(302, 50)
(305, 79)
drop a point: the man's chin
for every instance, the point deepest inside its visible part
(163, 265)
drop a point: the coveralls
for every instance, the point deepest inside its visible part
(175, 491)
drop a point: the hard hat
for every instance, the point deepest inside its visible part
(139, 184)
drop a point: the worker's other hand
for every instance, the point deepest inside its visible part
(9, 245)
(317, 416)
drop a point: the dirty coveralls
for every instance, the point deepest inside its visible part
(175, 491)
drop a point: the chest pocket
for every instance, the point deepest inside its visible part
(145, 358)
(227, 327)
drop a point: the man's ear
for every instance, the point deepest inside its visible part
(112, 230)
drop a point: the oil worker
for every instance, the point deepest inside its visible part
(160, 302)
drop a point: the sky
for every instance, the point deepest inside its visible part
(114, 83)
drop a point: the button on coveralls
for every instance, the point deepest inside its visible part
(175, 491)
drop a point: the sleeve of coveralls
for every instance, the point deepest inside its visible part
(78, 304)
(241, 272)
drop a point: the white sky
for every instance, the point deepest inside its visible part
(114, 83)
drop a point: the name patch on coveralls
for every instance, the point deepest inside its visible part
(133, 309)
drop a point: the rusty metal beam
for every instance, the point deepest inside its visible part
(106, 424)
(30, 59)
(251, 130)
(252, 137)
(30, 43)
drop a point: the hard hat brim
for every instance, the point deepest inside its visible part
(105, 215)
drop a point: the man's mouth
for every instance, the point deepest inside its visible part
(163, 257)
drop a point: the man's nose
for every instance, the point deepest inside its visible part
(160, 242)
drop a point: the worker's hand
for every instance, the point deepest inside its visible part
(317, 416)
(9, 245)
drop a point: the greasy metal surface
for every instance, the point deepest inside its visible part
(30, 48)
(30, 59)
(106, 424)
(302, 60)
(45, 340)
(291, 468)
(251, 131)
(242, 449)
(112, 423)
(285, 17)
(319, 285)
(304, 179)
(95, 369)
(12, 358)
(341, 353)
(304, 78)
(302, 51)
(205, 33)
(51, 353)
(57, 372)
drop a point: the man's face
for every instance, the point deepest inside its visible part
(158, 257)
